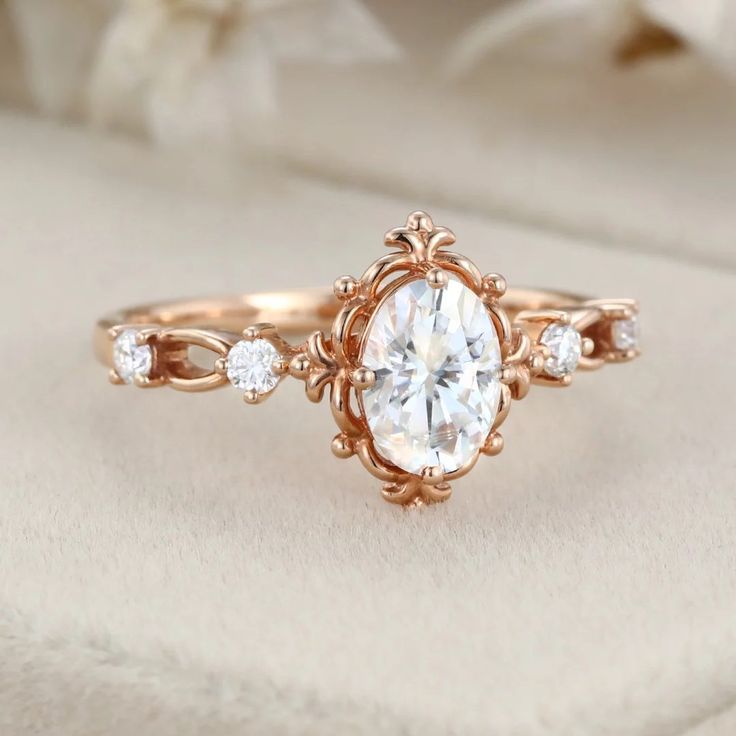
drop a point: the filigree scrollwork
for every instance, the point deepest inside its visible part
(420, 251)
(524, 362)
(316, 366)
(541, 345)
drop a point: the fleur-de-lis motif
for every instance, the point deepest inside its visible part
(316, 366)
(420, 237)
(524, 362)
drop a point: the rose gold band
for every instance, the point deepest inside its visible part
(422, 355)
(293, 313)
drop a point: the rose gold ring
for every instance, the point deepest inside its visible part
(422, 354)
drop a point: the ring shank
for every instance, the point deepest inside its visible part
(293, 312)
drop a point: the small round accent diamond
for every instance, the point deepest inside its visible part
(625, 334)
(250, 365)
(130, 359)
(565, 347)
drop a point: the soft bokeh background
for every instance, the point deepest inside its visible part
(180, 565)
(607, 117)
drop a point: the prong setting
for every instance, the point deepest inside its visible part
(494, 285)
(433, 475)
(251, 397)
(565, 346)
(493, 445)
(254, 366)
(452, 350)
(363, 378)
(133, 357)
(114, 378)
(346, 287)
(343, 447)
(437, 278)
(299, 366)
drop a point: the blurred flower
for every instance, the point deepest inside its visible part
(58, 41)
(183, 70)
(627, 30)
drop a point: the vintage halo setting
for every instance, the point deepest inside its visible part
(421, 356)
(422, 335)
(565, 348)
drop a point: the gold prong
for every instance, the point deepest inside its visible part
(493, 445)
(221, 366)
(299, 366)
(437, 278)
(587, 346)
(433, 475)
(345, 287)
(114, 378)
(113, 332)
(343, 447)
(280, 367)
(508, 374)
(146, 382)
(363, 378)
(143, 333)
(494, 285)
(251, 397)
(536, 362)
(261, 330)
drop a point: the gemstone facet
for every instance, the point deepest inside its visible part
(565, 347)
(250, 366)
(625, 334)
(129, 358)
(437, 360)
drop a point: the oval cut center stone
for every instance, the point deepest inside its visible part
(437, 360)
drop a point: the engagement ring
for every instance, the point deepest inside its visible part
(421, 356)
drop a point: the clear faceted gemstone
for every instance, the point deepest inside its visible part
(131, 360)
(625, 334)
(437, 360)
(565, 347)
(250, 366)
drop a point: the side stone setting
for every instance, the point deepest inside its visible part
(437, 361)
(250, 366)
(625, 333)
(130, 359)
(565, 348)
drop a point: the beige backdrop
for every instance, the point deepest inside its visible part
(176, 564)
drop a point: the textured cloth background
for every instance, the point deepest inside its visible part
(640, 159)
(177, 564)
(543, 127)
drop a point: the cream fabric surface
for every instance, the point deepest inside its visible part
(546, 129)
(177, 564)
(637, 159)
